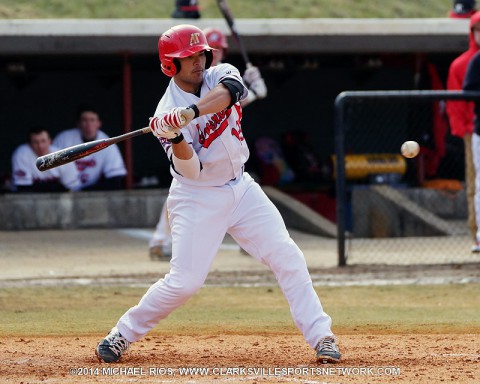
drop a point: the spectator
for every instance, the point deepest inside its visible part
(462, 9)
(161, 242)
(103, 170)
(186, 9)
(472, 83)
(26, 176)
(461, 115)
(300, 155)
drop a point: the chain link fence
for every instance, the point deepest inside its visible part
(393, 210)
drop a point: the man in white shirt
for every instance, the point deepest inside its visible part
(103, 170)
(27, 178)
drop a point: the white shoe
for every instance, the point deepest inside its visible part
(327, 351)
(112, 347)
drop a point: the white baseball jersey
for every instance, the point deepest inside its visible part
(216, 138)
(107, 162)
(25, 172)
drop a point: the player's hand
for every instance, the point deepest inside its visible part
(251, 74)
(178, 117)
(161, 130)
(259, 88)
(254, 82)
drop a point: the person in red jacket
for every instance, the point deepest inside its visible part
(461, 115)
(462, 9)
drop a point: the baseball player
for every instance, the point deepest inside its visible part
(198, 123)
(160, 245)
(26, 176)
(104, 170)
(461, 115)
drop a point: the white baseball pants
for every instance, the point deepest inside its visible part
(161, 235)
(199, 218)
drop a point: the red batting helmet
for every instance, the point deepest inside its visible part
(215, 38)
(181, 41)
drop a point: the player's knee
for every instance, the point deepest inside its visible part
(187, 286)
(287, 261)
(283, 253)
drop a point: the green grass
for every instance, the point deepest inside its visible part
(11, 9)
(391, 309)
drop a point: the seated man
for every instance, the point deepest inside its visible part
(25, 175)
(103, 170)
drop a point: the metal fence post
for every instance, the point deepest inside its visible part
(340, 102)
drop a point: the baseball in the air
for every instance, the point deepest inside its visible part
(410, 149)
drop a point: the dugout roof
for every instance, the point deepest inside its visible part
(138, 36)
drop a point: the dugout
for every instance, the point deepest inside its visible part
(50, 67)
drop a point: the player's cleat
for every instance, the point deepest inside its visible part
(160, 253)
(327, 351)
(111, 348)
(476, 248)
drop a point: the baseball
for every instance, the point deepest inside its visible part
(410, 149)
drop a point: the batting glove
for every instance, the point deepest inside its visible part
(259, 88)
(161, 130)
(178, 117)
(251, 74)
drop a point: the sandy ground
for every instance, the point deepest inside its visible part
(245, 358)
(30, 258)
(111, 256)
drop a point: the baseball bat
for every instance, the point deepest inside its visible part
(227, 14)
(67, 155)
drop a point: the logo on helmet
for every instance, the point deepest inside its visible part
(194, 38)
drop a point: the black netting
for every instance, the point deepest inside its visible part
(398, 210)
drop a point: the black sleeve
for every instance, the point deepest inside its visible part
(235, 88)
(472, 77)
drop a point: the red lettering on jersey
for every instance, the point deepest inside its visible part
(20, 173)
(214, 128)
(237, 131)
(166, 144)
(83, 164)
(217, 125)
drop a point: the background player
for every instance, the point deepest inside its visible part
(26, 176)
(211, 195)
(160, 245)
(472, 83)
(104, 170)
(461, 116)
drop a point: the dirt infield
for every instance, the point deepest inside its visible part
(245, 358)
(104, 257)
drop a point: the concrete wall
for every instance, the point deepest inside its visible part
(126, 209)
(264, 36)
(382, 212)
(115, 209)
